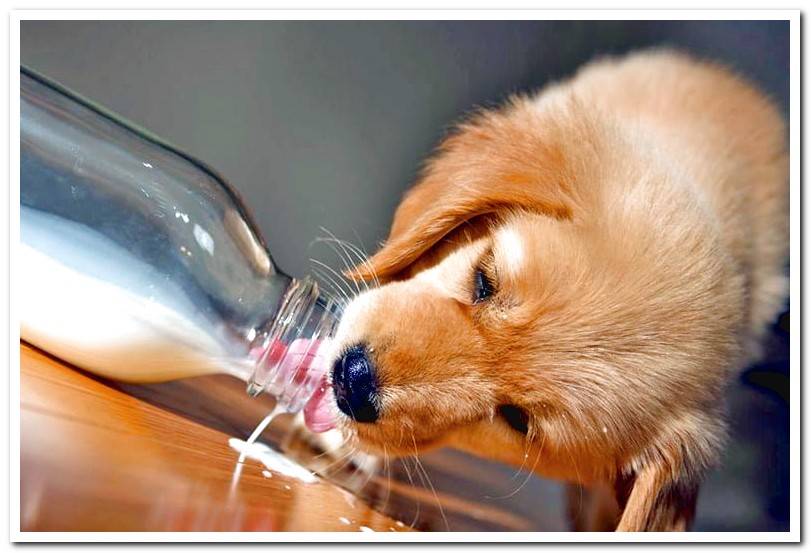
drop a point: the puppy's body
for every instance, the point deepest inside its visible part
(725, 142)
(632, 227)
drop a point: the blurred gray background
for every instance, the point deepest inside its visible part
(326, 124)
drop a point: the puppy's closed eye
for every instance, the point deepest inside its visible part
(516, 417)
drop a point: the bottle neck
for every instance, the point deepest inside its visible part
(292, 349)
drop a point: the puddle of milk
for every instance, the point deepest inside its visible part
(272, 460)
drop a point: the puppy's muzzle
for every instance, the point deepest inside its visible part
(354, 383)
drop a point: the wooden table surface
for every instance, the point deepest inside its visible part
(98, 455)
(94, 458)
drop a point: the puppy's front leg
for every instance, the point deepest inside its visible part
(656, 500)
(657, 490)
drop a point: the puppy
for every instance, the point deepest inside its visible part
(573, 280)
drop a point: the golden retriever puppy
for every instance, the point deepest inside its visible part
(573, 280)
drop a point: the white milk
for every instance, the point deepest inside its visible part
(111, 331)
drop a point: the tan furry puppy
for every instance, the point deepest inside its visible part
(573, 280)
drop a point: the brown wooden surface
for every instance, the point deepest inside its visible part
(104, 455)
(95, 458)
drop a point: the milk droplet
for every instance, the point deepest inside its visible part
(344, 520)
(267, 474)
(365, 529)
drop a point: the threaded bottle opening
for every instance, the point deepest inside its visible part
(291, 352)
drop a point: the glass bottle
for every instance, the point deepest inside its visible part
(139, 263)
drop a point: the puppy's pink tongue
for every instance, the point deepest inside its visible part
(318, 413)
(298, 364)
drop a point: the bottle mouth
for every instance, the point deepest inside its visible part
(291, 353)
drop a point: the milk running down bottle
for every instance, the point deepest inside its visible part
(139, 263)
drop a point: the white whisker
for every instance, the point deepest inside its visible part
(342, 254)
(339, 294)
(344, 460)
(345, 293)
(411, 481)
(362, 257)
(361, 249)
(430, 484)
(387, 471)
(530, 472)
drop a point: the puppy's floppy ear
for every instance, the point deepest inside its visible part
(496, 161)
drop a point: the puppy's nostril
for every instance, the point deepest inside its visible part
(355, 385)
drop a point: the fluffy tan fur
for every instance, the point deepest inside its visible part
(648, 198)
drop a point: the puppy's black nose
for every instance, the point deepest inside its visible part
(355, 385)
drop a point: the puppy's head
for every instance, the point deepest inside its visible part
(461, 340)
(507, 321)
(455, 345)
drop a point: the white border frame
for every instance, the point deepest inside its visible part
(793, 16)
